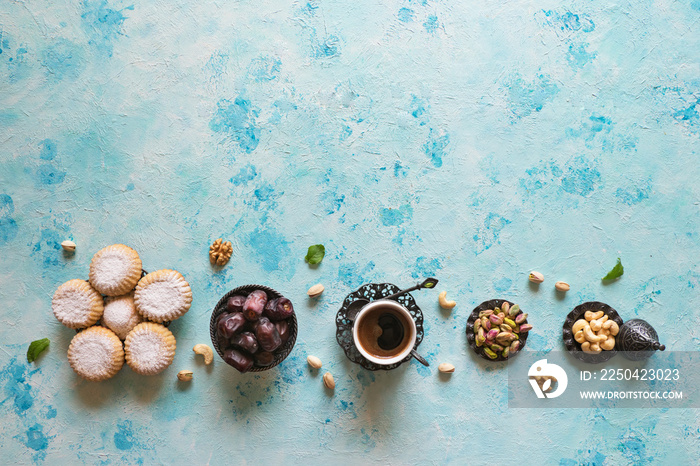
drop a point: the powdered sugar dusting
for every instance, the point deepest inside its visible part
(92, 354)
(149, 353)
(162, 299)
(120, 315)
(73, 306)
(111, 269)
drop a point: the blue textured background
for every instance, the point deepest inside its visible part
(473, 142)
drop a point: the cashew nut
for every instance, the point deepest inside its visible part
(588, 315)
(614, 328)
(578, 325)
(592, 337)
(444, 303)
(607, 324)
(586, 346)
(205, 351)
(579, 337)
(595, 348)
(596, 325)
(588, 333)
(608, 344)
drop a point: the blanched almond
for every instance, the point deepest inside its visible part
(314, 362)
(446, 367)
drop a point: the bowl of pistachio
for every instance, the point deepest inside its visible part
(497, 330)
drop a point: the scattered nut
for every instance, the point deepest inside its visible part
(314, 362)
(328, 381)
(68, 245)
(444, 302)
(185, 376)
(562, 286)
(535, 277)
(446, 367)
(205, 351)
(220, 253)
(315, 291)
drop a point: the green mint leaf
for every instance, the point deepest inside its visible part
(616, 271)
(36, 348)
(315, 254)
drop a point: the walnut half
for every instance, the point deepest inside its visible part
(220, 252)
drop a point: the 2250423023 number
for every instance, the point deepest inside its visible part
(639, 374)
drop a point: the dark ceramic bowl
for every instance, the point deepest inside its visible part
(471, 336)
(282, 352)
(573, 346)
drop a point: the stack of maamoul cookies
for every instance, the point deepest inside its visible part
(132, 310)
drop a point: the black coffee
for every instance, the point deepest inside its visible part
(392, 331)
(383, 332)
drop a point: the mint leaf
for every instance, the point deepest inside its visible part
(616, 271)
(315, 254)
(36, 348)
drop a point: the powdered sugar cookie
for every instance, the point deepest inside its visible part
(163, 295)
(149, 348)
(120, 314)
(115, 270)
(76, 304)
(96, 354)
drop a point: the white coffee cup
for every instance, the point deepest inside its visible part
(409, 328)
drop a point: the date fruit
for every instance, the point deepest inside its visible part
(254, 305)
(283, 329)
(246, 341)
(267, 335)
(235, 303)
(231, 324)
(238, 360)
(264, 358)
(278, 309)
(223, 342)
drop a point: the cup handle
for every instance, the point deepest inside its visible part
(419, 358)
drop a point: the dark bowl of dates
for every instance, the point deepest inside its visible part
(253, 328)
(489, 337)
(573, 346)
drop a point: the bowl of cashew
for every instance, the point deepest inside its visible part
(590, 331)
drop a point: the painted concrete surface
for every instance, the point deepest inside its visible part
(472, 141)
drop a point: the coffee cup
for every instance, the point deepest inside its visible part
(384, 332)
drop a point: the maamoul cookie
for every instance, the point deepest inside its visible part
(120, 314)
(115, 270)
(163, 295)
(96, 354)
(76, 304)
(149, 348)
